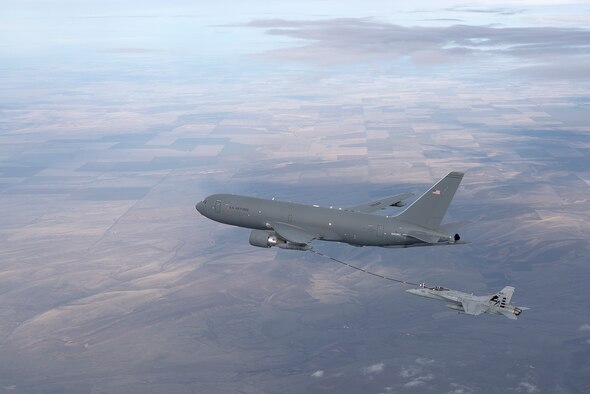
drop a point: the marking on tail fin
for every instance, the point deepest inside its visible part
(507, 293)
(429, 210)
(503, 297)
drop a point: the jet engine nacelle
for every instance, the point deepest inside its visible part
(267, 239)
(263, 239)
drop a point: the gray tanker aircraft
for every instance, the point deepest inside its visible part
(469, 304)
(293, 226)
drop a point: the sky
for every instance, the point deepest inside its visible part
(183, 30)
(117, 117)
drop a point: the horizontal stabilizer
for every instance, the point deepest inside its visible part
(424, 237)
(509, 315)
(394, 201)
(512, 312)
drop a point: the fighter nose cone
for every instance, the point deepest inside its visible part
(413, 291)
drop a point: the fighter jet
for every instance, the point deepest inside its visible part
(469, 304)
(293, 226)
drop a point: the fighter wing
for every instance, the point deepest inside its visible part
(472, 307)
(292, 233)
(393, 201)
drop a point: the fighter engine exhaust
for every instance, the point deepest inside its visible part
(517, 311)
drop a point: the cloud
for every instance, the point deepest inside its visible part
(410, 371)
(414, 370)
(459, 389)
(492, 10)
(532, 2)
(373, 369)
(441, 20)
(132, 51)
(584, 327)
(572, 71)
(527, 387)
(419, 381)
(318, 374)
(424, 361)
(414, 383)
(357, 40)
(564, 19)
